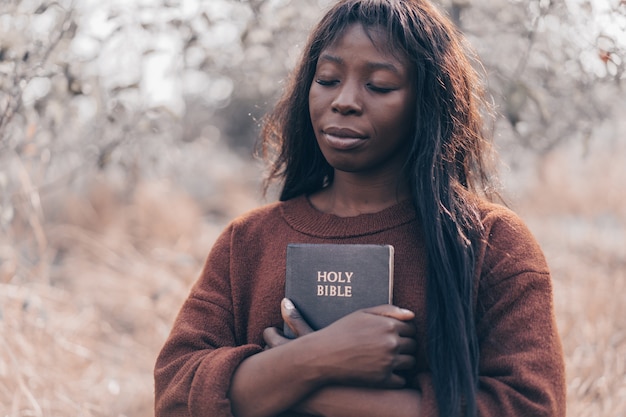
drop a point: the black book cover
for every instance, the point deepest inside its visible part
(327, 281)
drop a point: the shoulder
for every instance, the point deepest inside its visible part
(248, 230)
(258, 214)
(508, 246)
(267, 220)
(257, 220)
(500, 220)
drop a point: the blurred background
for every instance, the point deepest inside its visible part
(126, 138)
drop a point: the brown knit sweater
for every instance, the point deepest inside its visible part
(239, 291)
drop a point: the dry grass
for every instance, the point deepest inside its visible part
(577, 210)
(81, 326)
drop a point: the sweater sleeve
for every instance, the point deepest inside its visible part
(195, 366)
(521, 367)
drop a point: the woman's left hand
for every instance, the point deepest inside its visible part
(274, 337)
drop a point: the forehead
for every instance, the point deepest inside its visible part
(356, 39)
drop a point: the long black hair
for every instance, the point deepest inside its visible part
(446, 168)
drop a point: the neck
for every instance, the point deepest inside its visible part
(351, 194)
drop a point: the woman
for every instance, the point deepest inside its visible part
(379, 140)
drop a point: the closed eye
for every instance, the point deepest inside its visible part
(326, 83)
(381, 90)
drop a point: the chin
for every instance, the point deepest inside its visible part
(345, 166)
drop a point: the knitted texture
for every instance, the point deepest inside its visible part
(239, 290)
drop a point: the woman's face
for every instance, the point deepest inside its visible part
(362, 104)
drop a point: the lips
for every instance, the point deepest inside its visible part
(343, 138)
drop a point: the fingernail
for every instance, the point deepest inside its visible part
(288, 304)
(404, 310)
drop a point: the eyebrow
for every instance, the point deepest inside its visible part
(372, 66)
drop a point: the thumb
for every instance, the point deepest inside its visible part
(294, 319)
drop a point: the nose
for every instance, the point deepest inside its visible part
(347, 101)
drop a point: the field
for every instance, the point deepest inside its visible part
(84, 312)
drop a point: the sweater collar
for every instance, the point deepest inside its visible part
(300, 214)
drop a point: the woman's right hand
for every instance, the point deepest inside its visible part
(370, 347)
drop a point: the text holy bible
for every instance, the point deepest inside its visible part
(327, 281)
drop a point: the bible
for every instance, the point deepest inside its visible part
(327, 281)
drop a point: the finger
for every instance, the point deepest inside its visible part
(389, 310)
(394, 381)
(273, 337)
(402, 328)
(404, 363)
(407, 346)
(406, 329)
(293, 319)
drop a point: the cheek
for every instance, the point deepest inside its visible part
(315, 106)
(397, 116)
(406, 116)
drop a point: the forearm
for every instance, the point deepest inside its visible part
(291, 371)
(341, 401)
(272, 381)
